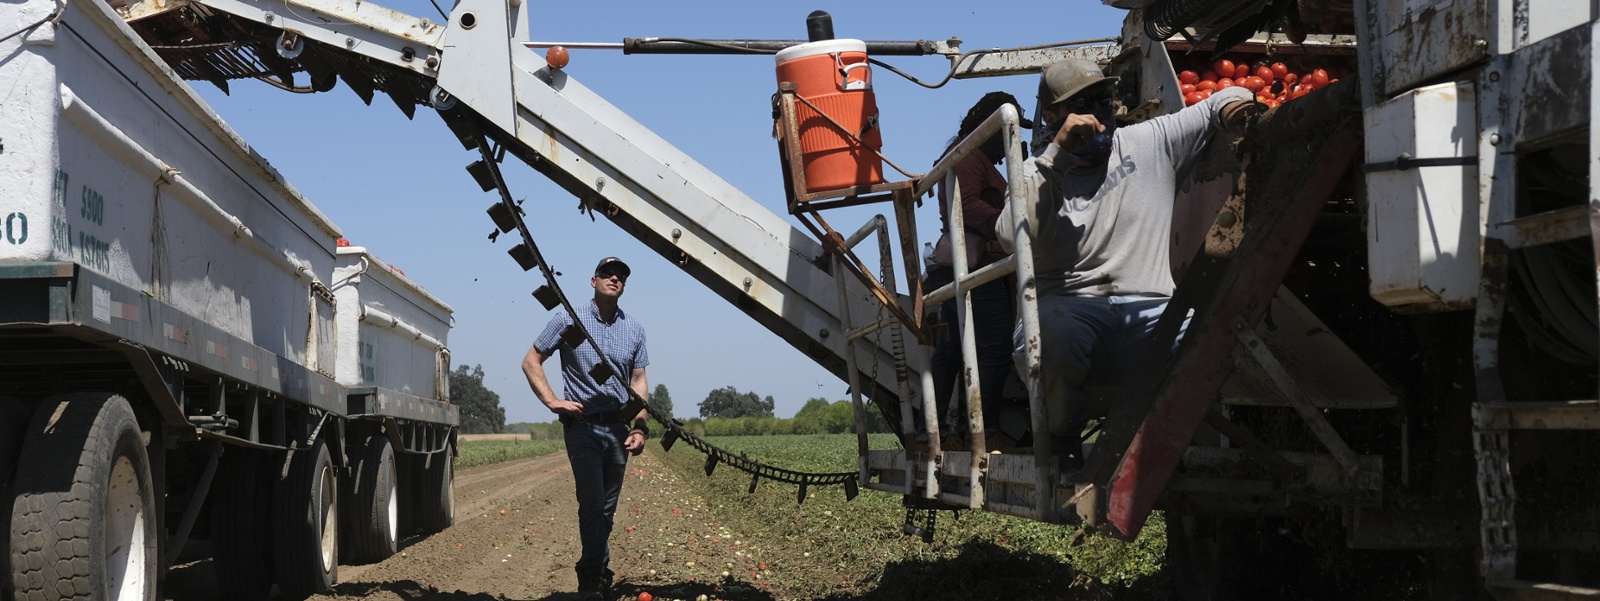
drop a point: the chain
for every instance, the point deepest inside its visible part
(921, 523)
(877, 343)
(1498, 498)
(716, 456)
(922, 516)
(674, 429)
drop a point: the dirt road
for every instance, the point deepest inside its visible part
(516, 537)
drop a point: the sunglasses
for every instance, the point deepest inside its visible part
(1083, 105)
(606, 274)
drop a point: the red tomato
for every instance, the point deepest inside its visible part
(1193, 98)
(1266, 74)
(1185, 88)
(1188, 77)
(1223, 67)
(1271, 103)
(646, 596)
(1317, 78)
(1290, 79)
(1224, 83)
(1204, 94)
(1280, 70)
(1241, 71)
(1205, 85)
(1253, 83)
(1208, 75)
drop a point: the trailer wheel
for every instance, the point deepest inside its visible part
(13, 427)
(84, 522)
(306, 533)
(373, 509)
(241, 537)
(437, 496)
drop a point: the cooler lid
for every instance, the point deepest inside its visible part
(821, 47)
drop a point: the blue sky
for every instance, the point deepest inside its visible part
(398, 187)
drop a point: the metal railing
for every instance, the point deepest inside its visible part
(1006, 122)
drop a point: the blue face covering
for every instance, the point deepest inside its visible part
(1100, 147)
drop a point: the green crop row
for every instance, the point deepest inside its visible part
(827, 540)
(484, 452)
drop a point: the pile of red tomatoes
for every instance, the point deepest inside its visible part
(1273, 83)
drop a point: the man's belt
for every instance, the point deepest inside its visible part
(598, 417)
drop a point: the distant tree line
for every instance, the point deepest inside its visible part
(481, 412)
(818, 416)
(728, 412)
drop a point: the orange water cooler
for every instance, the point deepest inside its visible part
(834, 76)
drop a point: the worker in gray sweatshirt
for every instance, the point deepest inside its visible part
(1099, 202)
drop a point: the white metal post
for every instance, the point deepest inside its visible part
(1045, 468)
(853, 378)
(969, 349)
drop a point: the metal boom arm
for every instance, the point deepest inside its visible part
(726, 240)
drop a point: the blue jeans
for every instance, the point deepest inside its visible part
(599, 463)
(992, 319)
(1087, 342)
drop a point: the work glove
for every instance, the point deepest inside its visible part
(1238, 115)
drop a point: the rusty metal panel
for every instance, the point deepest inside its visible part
(1552, 77)
(1023, 62)
(1554, 415)
(1420, 40)
(1321, 479)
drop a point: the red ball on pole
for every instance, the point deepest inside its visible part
(557, 57)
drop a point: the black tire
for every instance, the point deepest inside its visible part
(436, 495)
(13, 428)
(306, 533)
(241, 499)
(372, 505)
(83, 522)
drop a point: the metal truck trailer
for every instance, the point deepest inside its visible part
(169, 343)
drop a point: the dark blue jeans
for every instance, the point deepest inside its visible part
(599, 463)
(1088, 341)
(992, 316)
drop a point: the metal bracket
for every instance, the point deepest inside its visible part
(1406, 162)
(162, 377)
(1286, 383)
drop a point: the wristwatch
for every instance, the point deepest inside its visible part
(642, 427)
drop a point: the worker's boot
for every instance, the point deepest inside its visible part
(590, 587)
(606, 577)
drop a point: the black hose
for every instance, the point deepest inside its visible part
(1165, 18)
